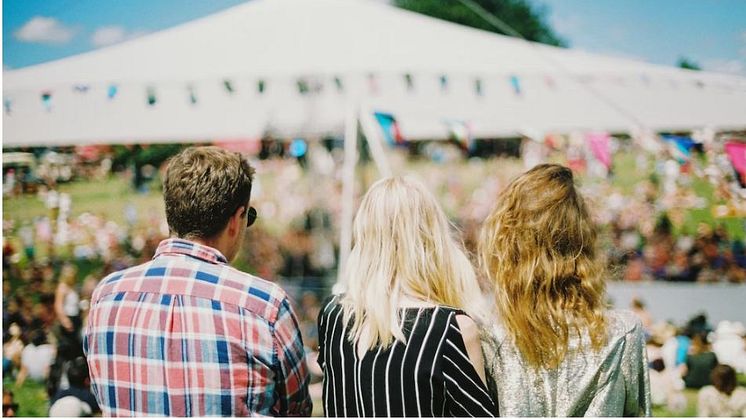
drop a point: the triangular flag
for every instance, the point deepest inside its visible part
(390, 128)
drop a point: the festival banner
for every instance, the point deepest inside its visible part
(390, 128)
(736, 152)
(599, 142)
(680, 147)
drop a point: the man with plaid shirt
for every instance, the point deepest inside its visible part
(186, 334)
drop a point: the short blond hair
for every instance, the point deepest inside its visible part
(538, 247)
(403, 245)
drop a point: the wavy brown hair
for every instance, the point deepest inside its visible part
(538, 247)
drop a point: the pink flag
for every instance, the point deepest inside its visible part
(737, 153)
(599, 144)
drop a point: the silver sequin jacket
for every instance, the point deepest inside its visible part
(611, 382)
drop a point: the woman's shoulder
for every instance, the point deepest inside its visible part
(330, 304)
(622, 323)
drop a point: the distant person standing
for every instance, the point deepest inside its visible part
(67, 308)
(186, 334)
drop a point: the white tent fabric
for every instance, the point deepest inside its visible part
(282, 41)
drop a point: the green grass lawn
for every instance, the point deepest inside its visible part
(690, 411)
(627, 177)
(107, 198)
(31, 398)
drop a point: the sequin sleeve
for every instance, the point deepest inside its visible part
(635, 371)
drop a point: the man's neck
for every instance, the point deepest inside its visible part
(217, 243)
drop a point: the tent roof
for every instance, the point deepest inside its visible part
(280, 40)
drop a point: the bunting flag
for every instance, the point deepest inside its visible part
(516, 83)
(152, 99)
(390, 128)
(409, 80)
(598, 143)
(680, 147)
(478, 87)
(192, 95)
(7, 104)
(229, 86)
(112, 91)
(339, 84)
(372, 84)
(81, 88)
(46, 100)
(461, 132)
(443, 83)
(302, 85)
(261, 86)
(736, 152)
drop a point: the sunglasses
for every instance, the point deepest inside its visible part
(250, 216)
(8, 407)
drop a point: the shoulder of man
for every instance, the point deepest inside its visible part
(263, 298)
(258, 296)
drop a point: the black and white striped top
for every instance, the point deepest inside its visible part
(430, 375)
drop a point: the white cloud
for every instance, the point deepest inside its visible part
(108, 35)
(44, 30)
(734, 66)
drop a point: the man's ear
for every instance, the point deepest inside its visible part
(234, 224)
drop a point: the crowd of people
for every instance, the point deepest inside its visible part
(695, 356)
(52, 264)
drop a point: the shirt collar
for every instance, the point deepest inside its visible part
(189, 248)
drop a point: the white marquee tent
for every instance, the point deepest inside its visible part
(203, 80)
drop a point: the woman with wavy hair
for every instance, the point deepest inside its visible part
(554, 349)
(402, 339)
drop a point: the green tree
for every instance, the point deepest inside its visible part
(526, 19)
(688, 64)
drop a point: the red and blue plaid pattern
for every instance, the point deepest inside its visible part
(187, 335)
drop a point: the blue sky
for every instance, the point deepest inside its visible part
(710, 32)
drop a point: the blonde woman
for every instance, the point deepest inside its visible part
(554, 349)
(402, 340)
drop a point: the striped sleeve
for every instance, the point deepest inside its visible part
(322, 319)
(467, 395)
(291, 369)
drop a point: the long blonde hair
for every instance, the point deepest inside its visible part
(402, 246)
(538, 246)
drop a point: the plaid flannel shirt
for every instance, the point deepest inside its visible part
(187, 335)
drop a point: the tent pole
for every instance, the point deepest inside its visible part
(375, 141)
(348, 193)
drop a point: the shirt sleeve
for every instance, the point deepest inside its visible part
(636, 377)
(467, 395)
(323, 318)
(293, 378)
